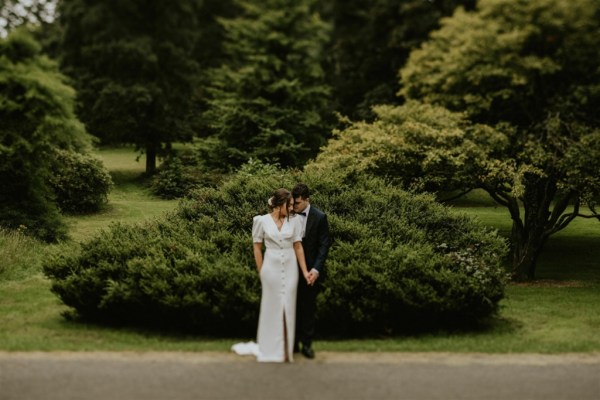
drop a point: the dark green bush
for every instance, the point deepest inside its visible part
(80, 182)
(157, 274)
(399, 261)
(180, 173)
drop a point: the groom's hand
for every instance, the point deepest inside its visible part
(313, 275)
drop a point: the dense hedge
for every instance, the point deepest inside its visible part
(399, 261)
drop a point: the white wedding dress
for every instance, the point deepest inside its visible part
(279, 280)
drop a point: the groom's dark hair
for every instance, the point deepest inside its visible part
(301, 190)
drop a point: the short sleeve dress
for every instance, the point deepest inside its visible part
(279, 280)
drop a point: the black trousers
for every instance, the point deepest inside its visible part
(306, 308)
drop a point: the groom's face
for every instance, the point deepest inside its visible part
(300, 204)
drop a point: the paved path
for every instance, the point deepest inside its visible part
(148, 376)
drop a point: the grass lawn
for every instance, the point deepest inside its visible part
(128, 201)
(558, 313)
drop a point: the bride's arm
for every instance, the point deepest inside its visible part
(299, 250)
(258, 255)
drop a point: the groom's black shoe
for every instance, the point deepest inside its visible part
(308, 352)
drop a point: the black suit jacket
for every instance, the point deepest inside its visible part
(316, 240)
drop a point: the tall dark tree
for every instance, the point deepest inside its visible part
(269, 100)
(133, 65)
(371, 41)
(210, 53)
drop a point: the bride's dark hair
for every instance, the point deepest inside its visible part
(279, 198)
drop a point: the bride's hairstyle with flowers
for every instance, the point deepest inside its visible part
(281, 197)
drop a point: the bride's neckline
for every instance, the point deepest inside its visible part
(275, 222)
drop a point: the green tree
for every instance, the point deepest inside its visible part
(269, 100)
(37, 114)
(371, 41)
(133, 65)
(525, 78)
(417, 146)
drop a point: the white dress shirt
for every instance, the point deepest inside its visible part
(304, 219)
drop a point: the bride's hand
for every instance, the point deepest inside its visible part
(307, 277)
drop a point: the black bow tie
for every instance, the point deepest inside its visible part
(302, 213)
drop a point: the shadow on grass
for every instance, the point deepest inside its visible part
(493, 326)
(129, 177)
(70, 319)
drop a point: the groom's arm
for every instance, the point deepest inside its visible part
(323, 243)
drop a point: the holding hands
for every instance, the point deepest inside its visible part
(311, 277)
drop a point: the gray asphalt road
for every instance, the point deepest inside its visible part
(331, 376)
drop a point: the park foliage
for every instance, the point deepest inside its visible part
(38, 122)
(399, 261)
(80, 182)
(370, 41)
(502, 98)
(270, 99)
(133, 67)
(511, 109)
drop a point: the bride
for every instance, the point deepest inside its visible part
(278, 271)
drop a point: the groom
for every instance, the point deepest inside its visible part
(316, 242)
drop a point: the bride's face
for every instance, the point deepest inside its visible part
(285, 209)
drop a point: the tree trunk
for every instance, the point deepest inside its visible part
(530, 233)
(151, 150)
(529, 236)
(526, 247)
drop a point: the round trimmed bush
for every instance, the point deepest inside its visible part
(399, 261)
(80, 182)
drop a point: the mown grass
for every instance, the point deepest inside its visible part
(129, 201)
(32, 319)
(557, 313)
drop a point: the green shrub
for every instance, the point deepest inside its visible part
(80, 182)
(180, 173)
(399, 261)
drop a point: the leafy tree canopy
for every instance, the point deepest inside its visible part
(523, 82)
(371, 40)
